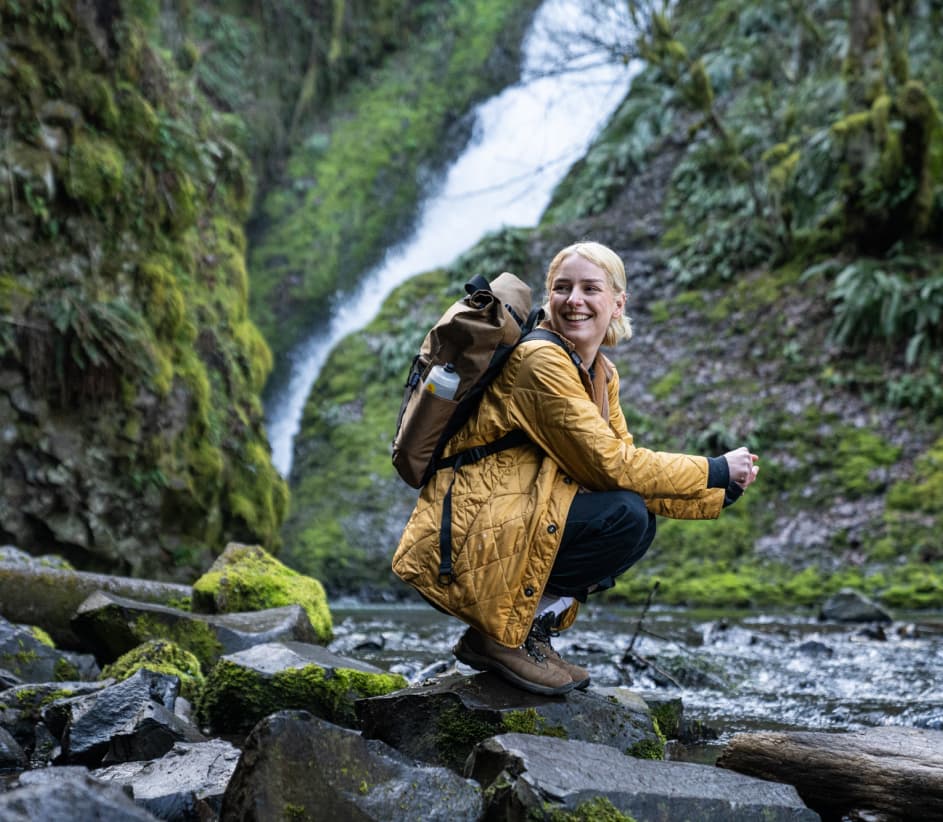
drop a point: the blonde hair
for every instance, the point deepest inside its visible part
(620, 327)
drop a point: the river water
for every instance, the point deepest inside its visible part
(525, 140)
(734, 672)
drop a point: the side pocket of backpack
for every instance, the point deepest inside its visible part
(422, 418)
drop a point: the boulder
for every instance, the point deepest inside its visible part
(112, 626)
(12, 756)
(162, 657)
(849, 605)
(248, 578)
(48, 596)
(440, 722)
(245, 687)
(352, 778)
(890, 773)
(186, 783)
(524, 776)
(54, 794)
(29, 654)
(130, 720)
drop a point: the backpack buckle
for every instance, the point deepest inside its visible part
(444, 578)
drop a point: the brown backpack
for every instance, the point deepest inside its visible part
(475, 336)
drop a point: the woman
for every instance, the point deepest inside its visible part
(538, 527)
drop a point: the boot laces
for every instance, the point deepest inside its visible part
(537, 643)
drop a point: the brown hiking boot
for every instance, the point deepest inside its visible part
(526, 667)
(543, 629)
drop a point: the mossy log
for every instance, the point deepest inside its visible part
(49, 597)
(896, 773)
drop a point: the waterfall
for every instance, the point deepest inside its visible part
(524, 141)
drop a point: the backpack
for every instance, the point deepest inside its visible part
(475, 336)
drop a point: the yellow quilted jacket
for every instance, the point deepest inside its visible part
(509, 509)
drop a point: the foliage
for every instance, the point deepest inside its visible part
(355, 189)
(124, 299)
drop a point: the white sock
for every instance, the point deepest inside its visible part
(557, 605)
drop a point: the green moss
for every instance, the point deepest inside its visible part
(65, 671)
(162, 657)
(597, 809)
(457, 731)
(667, 717)
(42, 636)
(193, 635)
(138, 121)
(248, 578)
(235, 697)
(529, 721)
(860, 454)
(96, 170)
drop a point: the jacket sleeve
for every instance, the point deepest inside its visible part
(549, 403)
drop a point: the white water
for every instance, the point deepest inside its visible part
(525, 140)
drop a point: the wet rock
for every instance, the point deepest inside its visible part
(442, 721)
(38, 592)
(112, 626)
(849, 605)
(814, 647)
(27, 654)
(248, 578)
(245, 687)
(888, 772)
(523, 774)
(8, 679)
(55, 794)
(11, 754)
(130, 720)
(355, 778)
(187, 783)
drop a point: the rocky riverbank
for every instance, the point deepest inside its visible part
(157, 711)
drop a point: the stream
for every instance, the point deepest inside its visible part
(734, 671)
(524, 142)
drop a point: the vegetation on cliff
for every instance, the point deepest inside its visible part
(130, 372)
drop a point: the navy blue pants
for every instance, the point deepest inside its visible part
(606, 533)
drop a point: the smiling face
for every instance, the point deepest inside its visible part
(583, 303)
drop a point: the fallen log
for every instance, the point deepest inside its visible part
(895, 773)
(49, 597)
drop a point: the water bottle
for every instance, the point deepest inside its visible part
(442, 381)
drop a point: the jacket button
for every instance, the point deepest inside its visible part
(551, 528)
(528, 591)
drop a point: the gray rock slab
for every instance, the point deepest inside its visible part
(67, 794)
(522, 773)
(129, 720)
(849, 605)
(187, 783)
(293, 760)
(27, 657)
(36, 592)
(111, 626)
(12, 755)
(442, 720)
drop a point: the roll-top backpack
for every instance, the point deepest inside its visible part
(474, 337)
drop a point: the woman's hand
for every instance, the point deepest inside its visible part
(740, 462)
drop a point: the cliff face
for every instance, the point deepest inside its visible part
(129, 369)
(138, 142)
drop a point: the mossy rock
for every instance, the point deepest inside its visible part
(162, 657)
(247, 686)
(247, 578)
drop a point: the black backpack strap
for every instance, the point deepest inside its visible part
(549, 336)
(477, 283)
(510, 440)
